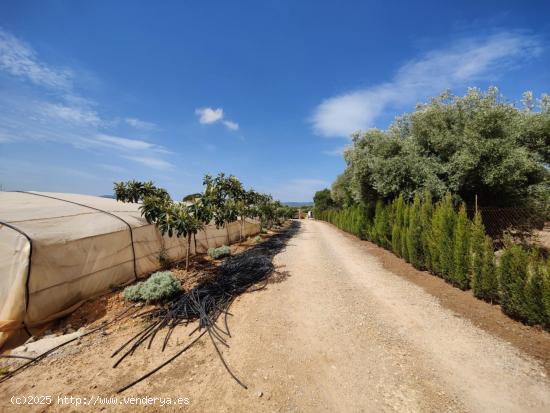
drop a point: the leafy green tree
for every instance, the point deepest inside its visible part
(477, 144)
(323, 201)
(135, 191)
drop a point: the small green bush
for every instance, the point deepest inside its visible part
(513, 276)
(220, 252)
(159, 286)
(461, 255)
(257, 239)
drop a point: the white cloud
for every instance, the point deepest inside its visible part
(140, 124)
(208, 116)
(19, 59)
(462, 63)
(71, 114)
(125, 143)
(61, 115)
(151, 162)
(231, 125)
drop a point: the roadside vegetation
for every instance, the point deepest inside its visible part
(223, 201)
(418, 190)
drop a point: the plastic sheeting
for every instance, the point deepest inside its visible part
(81, 246)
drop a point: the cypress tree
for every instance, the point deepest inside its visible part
(382, 228)
(513, 275)
(546, 294)
(488, 288)
(461, 251)
(534, 295)
(404, 232)
(442, 237)
(414, 234)
(426, 211)
(477, 250)
(397, 224)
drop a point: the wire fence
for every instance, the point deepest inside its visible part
(520, 222)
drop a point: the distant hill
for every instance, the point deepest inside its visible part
(298, 204)
(108, 196)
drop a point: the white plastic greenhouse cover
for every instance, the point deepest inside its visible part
(57, 250)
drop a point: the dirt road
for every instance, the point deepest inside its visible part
(334, 332)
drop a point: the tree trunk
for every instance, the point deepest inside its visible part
(227, 231)
(195, 240)
(206, 239)
(242, 230)
(187, 253)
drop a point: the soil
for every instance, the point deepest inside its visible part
(342, 326)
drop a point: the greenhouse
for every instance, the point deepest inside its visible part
(57, 250)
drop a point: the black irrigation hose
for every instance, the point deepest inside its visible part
(205, 303)
(53, 349)
(209, 300)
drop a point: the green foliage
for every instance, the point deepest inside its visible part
(323, 201)
(403, 249)
(442, 237)
(415, 251)
(426, 215)
(397, 225)
(220, 252)
(513, 277)
(461, 257)
(477, 249)
(382, 230)
(534, 291)
(476, 144)
(546, 293)
(488, 288)
(135, 191)
(158, 287)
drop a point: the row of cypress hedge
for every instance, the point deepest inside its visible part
(436, 237)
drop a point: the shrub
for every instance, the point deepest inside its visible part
(257, 239)
(477, 249)
(414, 234)
(534, 293)
(397, 224)
(546, 293)
(404, 233)
(159, 286)
(461, 253)
(513, 275)
(382, 228)
(442, 237)
(488, 285)
(426, 212)
(220, 252)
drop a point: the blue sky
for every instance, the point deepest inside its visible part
(97, 91)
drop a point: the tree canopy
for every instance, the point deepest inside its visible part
(477, 144)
